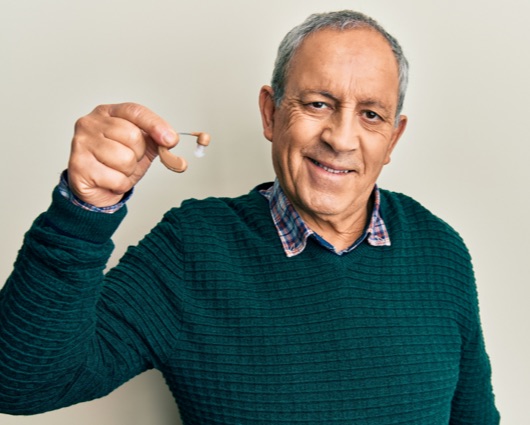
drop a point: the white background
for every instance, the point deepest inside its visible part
(200, 65)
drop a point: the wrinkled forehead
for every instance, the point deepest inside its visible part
(345, 58)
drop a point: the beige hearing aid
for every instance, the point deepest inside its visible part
(177, 163)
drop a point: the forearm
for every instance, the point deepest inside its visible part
(47, 307)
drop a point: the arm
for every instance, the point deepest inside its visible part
(473, 400)
(48, 306)
(71, 334)
(58, 345)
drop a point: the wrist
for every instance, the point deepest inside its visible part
(66, 192)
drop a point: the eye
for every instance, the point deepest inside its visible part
(317, 105)
(372, 116)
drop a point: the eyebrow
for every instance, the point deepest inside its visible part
(377, 103)
(322, 93)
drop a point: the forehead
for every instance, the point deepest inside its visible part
(349, 61)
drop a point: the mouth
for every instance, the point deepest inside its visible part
(330, 169)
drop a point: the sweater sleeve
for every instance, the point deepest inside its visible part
(473, 402)
(58, 345)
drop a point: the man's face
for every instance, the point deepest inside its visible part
(335, 127)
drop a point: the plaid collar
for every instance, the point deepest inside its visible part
(294, 232)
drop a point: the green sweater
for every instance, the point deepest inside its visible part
(243, 334)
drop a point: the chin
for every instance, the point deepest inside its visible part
(329, 208)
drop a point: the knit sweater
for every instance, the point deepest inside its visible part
(242, 333)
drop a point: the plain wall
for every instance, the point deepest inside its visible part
(200, 65)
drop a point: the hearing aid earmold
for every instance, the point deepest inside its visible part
(177, 163)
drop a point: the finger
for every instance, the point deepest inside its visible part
(98, 185)
(117, 156)
(145, 119)
(97, 129)
(127, 134)
(112, 152)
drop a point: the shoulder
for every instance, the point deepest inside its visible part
(225, 219)
(220, 210)
(408, 218)
(406, 211)
(425, 242)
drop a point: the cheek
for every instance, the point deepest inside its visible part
(280, 157)
(288, 141)
(276, 155)
(294, 133)
(376, 153)
(296, 125)
(287, 161)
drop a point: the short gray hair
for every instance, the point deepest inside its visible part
(340, 20)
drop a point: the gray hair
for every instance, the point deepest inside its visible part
(340, 20)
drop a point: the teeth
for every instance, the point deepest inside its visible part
(331, 170)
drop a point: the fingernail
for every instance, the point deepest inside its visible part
(169, 137)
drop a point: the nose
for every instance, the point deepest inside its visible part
(342, 131)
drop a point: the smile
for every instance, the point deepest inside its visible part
(330, 170)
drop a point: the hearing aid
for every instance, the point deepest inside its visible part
(177, 163)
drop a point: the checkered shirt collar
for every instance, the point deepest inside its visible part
(294, 232)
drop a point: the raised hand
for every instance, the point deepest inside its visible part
(112, 149)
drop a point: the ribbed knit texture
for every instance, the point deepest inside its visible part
(243, 334)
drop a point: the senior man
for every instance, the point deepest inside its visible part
(318, 298)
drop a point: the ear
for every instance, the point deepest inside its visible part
(267, 109)
(396, 135)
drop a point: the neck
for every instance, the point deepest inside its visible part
(338, 231)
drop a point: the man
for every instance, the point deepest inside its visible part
(318, 298)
